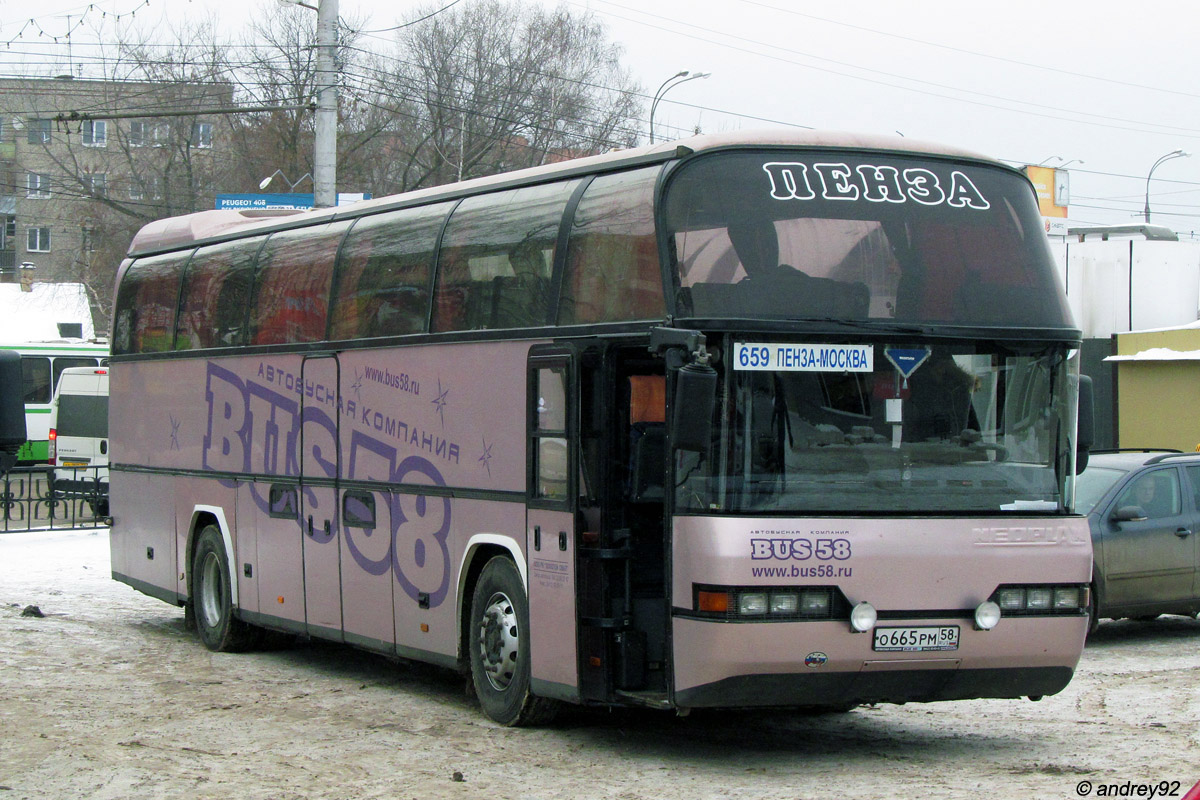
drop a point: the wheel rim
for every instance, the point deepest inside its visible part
(212, 591)
(499, 641)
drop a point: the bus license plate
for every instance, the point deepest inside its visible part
(931, 637)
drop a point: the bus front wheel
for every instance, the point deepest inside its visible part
(498, 640)
(212, 597)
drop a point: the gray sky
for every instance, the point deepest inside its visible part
(1109, 88)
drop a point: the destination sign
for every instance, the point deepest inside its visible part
(778, 357)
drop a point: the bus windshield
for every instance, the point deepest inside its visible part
(798, 234)
(978, 429)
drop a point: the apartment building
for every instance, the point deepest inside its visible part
(85, 163)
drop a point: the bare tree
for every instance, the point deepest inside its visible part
(493, 86)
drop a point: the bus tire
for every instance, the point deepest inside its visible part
(212, 597)
(498, 641)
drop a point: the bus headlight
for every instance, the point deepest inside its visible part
(1068, 599)
(1041, 600)
(786, 603)
(863, 617)
(752, 603)
(987, 615)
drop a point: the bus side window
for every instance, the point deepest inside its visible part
(291, 291)
(144, 320)
(35, 378)
(383, 273)
(216, 290)
(613, 271)
(496, 257)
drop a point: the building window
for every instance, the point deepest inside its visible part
(95, 133)
(38, 131)
(37, 240)
(145, 188)
(8, 232)
(144, 134)
(202, 134)
(37, 184)
(97, 184)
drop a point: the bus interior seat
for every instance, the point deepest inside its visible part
(518, 301)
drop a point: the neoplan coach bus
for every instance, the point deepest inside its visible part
(777, 419)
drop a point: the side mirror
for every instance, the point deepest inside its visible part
(1085, 436)
(1129, 514)
(695, 401)
(12, 409)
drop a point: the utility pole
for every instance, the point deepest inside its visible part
(325, 148)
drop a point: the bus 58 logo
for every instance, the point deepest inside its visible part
(800, 549)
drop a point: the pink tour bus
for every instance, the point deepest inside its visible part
(783, 419)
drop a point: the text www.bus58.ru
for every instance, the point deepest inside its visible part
(796, 571)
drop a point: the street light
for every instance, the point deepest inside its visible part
(1167, 157)
(1063, 165)
(265, 182)
(683, 76)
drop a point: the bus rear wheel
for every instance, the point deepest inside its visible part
(212, 597)
(498, 641)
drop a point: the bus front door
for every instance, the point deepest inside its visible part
(550, 524)
(319, 521)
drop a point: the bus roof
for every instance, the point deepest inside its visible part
(177, 232)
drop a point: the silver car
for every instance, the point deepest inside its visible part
(1144, 511)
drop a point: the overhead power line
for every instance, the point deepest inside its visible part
(76, 116)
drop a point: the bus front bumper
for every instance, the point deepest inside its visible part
(822, 664)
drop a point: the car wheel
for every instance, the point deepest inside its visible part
(498, 640)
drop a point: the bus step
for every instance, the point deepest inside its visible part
(645, 699)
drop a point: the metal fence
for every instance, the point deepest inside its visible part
(41, 498)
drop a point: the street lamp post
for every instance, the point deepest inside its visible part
(683, 76)
(1167, 157)
(265, 182)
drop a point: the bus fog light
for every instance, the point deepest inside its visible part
(784, 603)
(863, 617)
(987, 615)
(815, 603)
(1038, 599)
(755, 603)
(1067, 599)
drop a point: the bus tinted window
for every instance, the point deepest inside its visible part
(291, 291)
(808, 235)
(216, 292)
(145, 315)
(496, 257)
(383, 274)
(613, 270)
(35, 379)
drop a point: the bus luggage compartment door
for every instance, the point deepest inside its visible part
(318, 497)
